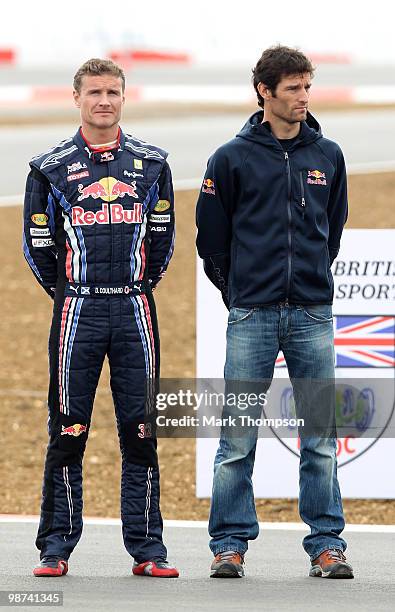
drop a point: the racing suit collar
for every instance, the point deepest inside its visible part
(256, 131)
(99, 156)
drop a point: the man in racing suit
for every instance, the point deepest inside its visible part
(98, 235)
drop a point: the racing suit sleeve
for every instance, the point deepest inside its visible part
(38, 237)
(161, 227)
(337, 207)
(213, 220)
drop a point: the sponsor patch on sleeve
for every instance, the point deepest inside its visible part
(160, 218)
(42, 242)
(40, 219)
(208, 186)
(36, 231)
(162, 205)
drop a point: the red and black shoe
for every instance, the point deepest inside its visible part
(157, 568)
(51, 567)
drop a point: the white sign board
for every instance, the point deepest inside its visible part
(364, 320)
(364, 273)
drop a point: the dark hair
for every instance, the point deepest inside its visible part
(97, 67)
(277, 62)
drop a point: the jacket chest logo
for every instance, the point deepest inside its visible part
(107, 189)
(316, 177)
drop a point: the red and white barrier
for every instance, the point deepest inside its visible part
(329, 58)
(130, 57)
(7, 56)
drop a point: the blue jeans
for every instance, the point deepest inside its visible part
(254, 338)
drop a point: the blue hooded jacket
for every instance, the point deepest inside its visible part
(269, 221)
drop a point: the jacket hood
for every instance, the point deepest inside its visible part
(256, 131)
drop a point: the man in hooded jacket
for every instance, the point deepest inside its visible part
(270, 216)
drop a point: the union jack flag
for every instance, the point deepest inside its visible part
(362, 342)
(365, 341)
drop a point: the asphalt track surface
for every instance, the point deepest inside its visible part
(365, 137)
(99, 576)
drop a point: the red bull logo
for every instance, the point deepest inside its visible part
(316, 174)
(208, 186)
(316, 177)
(94, 190)
(114, 213)
(107, 189)
(120, 189)
(73, 430)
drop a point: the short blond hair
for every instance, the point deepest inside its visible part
(95, 67)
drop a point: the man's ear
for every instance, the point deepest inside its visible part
(264, 91)
(76, 97)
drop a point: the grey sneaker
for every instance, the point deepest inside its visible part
(227, 564)
(331, 564)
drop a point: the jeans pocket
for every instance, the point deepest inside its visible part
(321, 313)
(237, 315)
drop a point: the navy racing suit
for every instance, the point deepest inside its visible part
(98, 235)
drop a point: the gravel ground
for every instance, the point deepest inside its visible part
(24, 323)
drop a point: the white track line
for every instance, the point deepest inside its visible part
(186, 184)
(371, 167)
(14, 200)
(16, 518)
(194, 183)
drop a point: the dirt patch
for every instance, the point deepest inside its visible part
(26, 315)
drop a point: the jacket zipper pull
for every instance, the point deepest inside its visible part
(303, 207)
(285, 154)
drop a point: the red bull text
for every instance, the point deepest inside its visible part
(109, 213)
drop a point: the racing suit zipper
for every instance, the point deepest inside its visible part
(303, 201)
(288, 168)
(111, 230)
